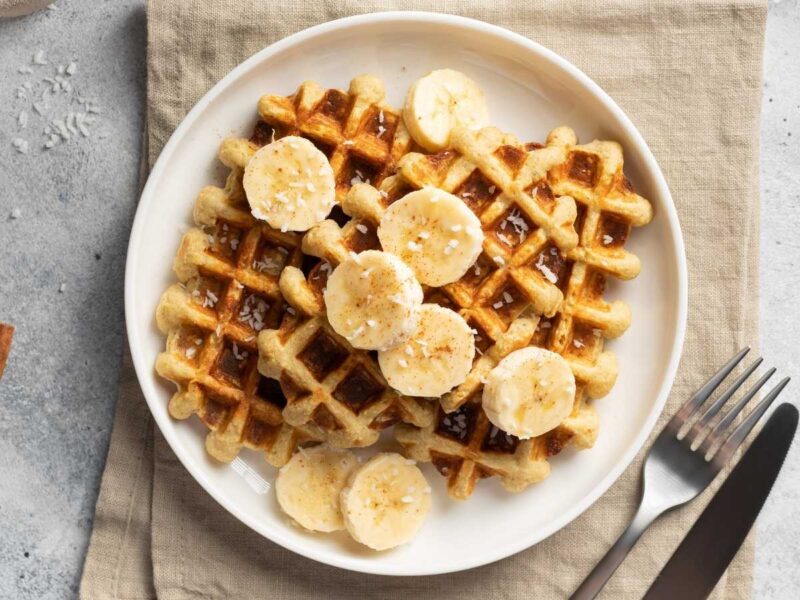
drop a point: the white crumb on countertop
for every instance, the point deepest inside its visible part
(50, 102)
(20, 145)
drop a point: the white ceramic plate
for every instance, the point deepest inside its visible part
(530, 90)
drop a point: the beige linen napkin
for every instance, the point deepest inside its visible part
(688, 74)
(18, 8)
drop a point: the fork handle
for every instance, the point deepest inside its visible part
(603, 571)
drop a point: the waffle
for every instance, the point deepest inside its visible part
(562, 282)
(228, 268)
(364, 205)
(333, 390)
(478, 170)
(229, 289)
(362, 136)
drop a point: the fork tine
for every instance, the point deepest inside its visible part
(721, 428)
(745, 427)
(697, 428)
(701, 395)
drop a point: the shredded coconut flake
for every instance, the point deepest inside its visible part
(403, 362)
(362, 228)
(545, 270)
(607, 239)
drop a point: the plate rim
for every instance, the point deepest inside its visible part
(144, 370)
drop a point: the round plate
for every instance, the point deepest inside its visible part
(530, 90)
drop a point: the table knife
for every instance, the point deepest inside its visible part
(707, 550)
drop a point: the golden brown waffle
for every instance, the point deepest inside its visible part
(464, 447)
(228, 267)
(333, 390)
(478, 170)
(362, 136)
(562, 282)
(518, 464)
(336, 392)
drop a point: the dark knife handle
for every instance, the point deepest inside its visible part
(698, 563)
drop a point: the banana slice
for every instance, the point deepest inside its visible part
(373, 300)
(308, 486)
(529, 392)
(435, 233)
(290, 184)
(385, 501)
(437, 358)
(439, 102)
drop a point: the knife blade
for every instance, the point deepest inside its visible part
(712, 542)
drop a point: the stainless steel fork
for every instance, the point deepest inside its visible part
(685, 458)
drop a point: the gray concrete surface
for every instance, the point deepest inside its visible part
(65, 215)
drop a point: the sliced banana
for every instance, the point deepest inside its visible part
(437, 358)
(373, 300)
(308, 486)
(439, 102)
(290, 184)
(529, 392)
(385, 501)
(435, 233)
